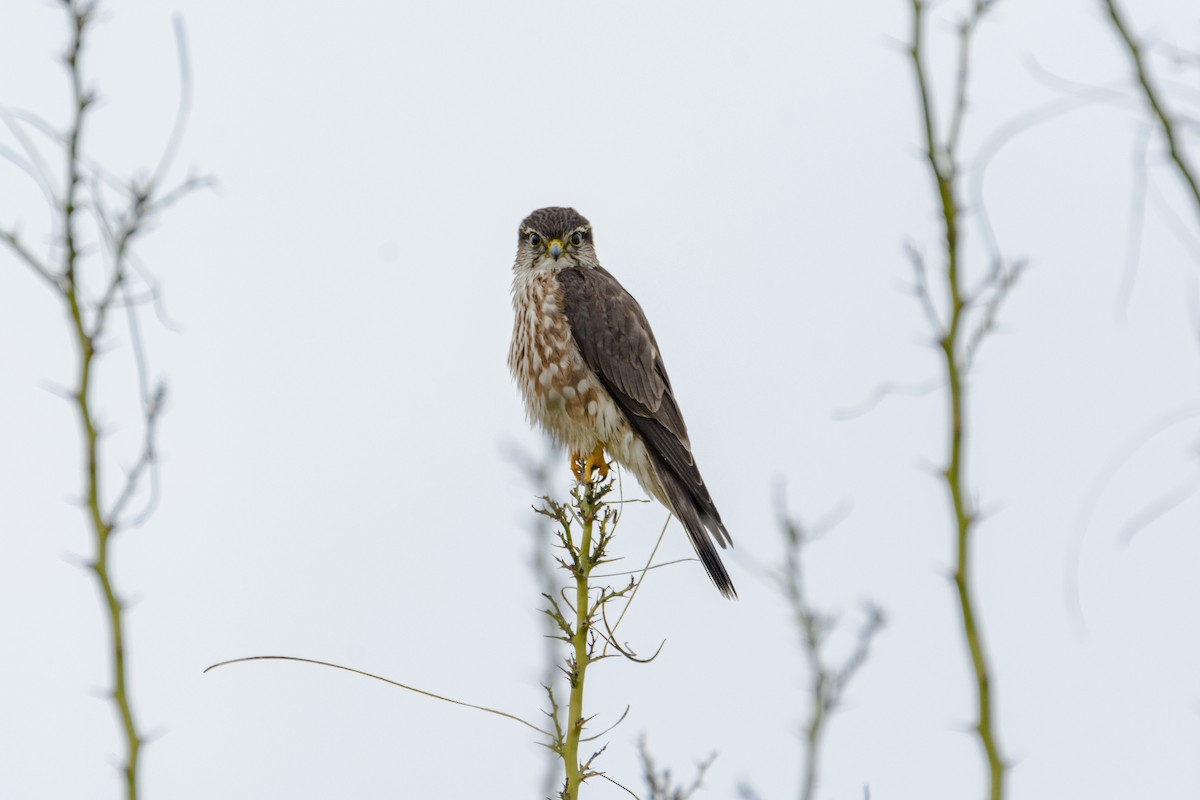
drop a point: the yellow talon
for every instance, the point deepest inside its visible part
(582, 468)
(596, 462)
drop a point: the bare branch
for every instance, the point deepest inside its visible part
(998, 287)
(1155, 100)
(660, 783)
(32, 261)
(958, 349)
(827, 682)
(1087, 508)
(86, 186)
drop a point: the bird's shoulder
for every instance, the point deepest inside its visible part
(597, 302)
(615, 339)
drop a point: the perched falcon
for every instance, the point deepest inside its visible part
(591, 374)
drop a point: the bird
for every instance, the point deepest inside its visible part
(591, 374)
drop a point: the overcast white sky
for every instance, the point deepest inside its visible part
(334, 483)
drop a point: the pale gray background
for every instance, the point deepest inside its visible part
(333, 479)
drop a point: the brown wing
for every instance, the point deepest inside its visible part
(615, 339)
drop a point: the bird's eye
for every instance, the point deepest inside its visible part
(534, 239)
(576, 239)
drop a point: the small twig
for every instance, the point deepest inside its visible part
(41, 270)
(610, 638)
(609, 729)
(998, 286)
(660, 784)
(921, 290)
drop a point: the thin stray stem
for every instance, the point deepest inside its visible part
(382, 679)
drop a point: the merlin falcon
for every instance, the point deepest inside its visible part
(592, 376)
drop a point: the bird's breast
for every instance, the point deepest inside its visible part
(561, 392)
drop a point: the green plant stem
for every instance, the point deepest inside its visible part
(579, 642)
(812, 755)
(809, 624)
(944, 169)
(102, 527)
(103, 531)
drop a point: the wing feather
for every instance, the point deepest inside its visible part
(616, 341)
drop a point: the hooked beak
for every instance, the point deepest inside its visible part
(555, 249)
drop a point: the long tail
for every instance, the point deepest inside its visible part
(703, 526)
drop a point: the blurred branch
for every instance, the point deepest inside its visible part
(1146, 433)
(62, 270)
(958, 345)
(997, 287)
(1137, 220)
(660, 785)
(537, 471)
(1159, 507)
(1154, 99)
(881, 393)
(827, 682)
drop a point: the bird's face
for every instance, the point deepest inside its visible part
(552, 239)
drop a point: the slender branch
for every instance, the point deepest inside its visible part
(958, 350)
(1155, 100)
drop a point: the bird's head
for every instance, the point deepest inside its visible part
(552, 239)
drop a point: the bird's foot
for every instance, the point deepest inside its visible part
(582, 466)
(596, 462)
